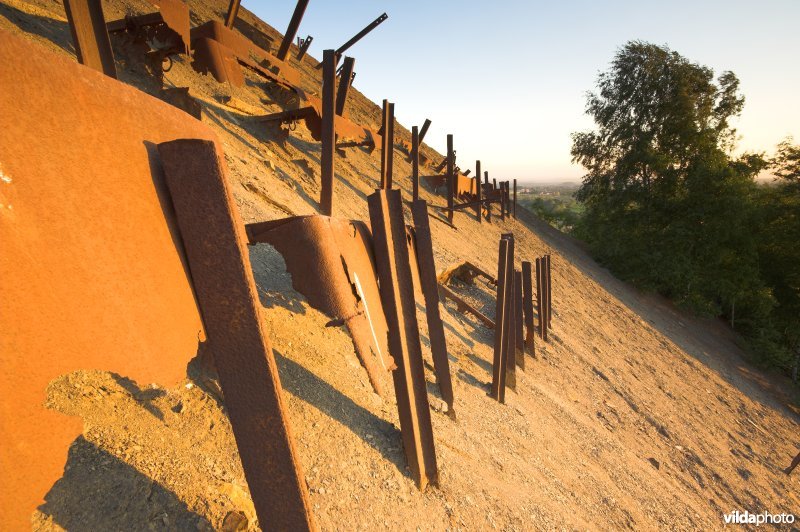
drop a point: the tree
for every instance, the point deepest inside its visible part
(666, 204)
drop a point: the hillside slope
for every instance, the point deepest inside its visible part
(632, 416)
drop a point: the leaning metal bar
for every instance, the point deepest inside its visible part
(424, 129)
(233, 11)
(498, 390)
(90, 36)
(344, 84)
(291, 31)
(510, 347)
(358, 36)
(328, 131)
(397, 296)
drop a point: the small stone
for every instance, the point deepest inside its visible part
(321, 491)
(654, 463)
(234, 521)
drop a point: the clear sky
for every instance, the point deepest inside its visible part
(508, 79)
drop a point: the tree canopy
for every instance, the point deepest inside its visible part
(667, 205)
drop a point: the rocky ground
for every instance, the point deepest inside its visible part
(634, 415)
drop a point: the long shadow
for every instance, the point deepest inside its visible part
(720, 353)
(100, 492)
(143, 396)
(305, 385)
(53, 30)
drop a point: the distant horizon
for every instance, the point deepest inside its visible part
(513, 104)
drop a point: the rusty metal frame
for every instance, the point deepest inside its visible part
(328, 132)
(428, 283)
(90, 36)
(226, 293)
(291, 30)
(397, 296)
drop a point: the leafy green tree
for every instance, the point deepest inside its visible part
(666, 204)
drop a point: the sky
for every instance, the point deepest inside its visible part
(509, 79)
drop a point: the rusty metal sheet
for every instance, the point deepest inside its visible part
(175, 14)
(527, 306)
(328, 133)
(498, 389)
(88, 27)
(218, 60)
(519, 335)
(343, 283)
(222, 277)
(92, 172)
(397, 295)
(428, 282)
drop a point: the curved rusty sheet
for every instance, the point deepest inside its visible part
(332, 265)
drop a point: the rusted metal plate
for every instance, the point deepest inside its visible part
(527, 307)
(428, 282)
(328, 132)
(212, 235)
(89, 34)
(343, 283)
(92, 172)
(397, 295)
(218, 60)
(291, 30)
(519, 335)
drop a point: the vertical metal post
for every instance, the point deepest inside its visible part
(478, 187)
(549, 294)
(387, 145)
(291, 31)
(511, 343)
(515, 200)
(502, 200)
(425, 126)
(90, 36)
(430, 290)
(328, 131)
(450, 179)
(490, 192)
(390, 145)
(498, 390)
(303, 46)
(414, 163)
(527, 307)
(345, 79)
(540, 300)
(233, 11)
(397, 296)
(519, 334)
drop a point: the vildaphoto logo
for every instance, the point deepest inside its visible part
(764, 518)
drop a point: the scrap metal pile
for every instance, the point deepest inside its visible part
(368, 276)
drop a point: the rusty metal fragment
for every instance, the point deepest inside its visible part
(397, 295)
(428, 283)
(343, 283)
(218, 60)
(328, 132)
(222, 276)
(165, 32)
(88, 27)
(527, 307)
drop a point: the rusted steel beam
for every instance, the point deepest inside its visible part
(463, 306)
(478, 187)
(511, 344)
(397, 296)
(291, 31)
(539, 304)
(414, 163)
(502, 200)
(360, 35)
(429, 285)
(519, 335)
(344, 84)
(549, 293)
(384, 142)
(233, 12)
(527, 307)
(488, 205)
(451, 178)
(302, 46)
(498, 389)
(212, 236)
(90, 36)
(424, 130)
(467, 171)
(515, 200)
(328, 131)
